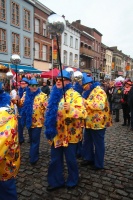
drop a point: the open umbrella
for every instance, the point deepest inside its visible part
(53, 73)
(120, 78)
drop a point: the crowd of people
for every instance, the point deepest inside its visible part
(75, 117)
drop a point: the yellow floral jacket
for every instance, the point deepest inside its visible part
(98, 110)
(69, 125)
(39, 107)
(9, 145)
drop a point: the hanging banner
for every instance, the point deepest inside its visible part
(54, 50)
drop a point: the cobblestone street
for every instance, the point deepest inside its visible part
(114, 182)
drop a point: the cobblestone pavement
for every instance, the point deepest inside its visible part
(114, 182)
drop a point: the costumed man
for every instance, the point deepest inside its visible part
(9, 148)
(97, 120)
(63, 122)
(33, 104)
(23, 86)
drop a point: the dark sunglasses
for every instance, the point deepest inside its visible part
(60, 79)
(33, 85)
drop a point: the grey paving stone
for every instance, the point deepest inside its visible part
(115, 182)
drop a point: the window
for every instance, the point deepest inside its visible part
(76, 60)
(71, 41)
(26, 19)
(65, 38)
(15, 14)
(37, 48)
(81, 44)
(27, 47)
(2, 40)
(44, 52)
(71, 59)
(3, 10)
(44, 30)
(37, 25)
(76, 43)
(50, 54)
(65, 57)
(15, 43)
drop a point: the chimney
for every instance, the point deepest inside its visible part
(78, 21)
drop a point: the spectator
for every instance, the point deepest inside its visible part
(45, 88)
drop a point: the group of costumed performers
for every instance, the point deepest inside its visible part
(98, 119)
(9, 147)
(33, 105)
(63, 129)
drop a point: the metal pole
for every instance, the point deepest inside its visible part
(60, 67)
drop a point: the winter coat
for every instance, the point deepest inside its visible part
(116, 98)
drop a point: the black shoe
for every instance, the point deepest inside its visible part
(34, 163)
(124, 124)
(21, 142)
(28, 140)
(87, 162)
(71, 187)
(51, 188)
(96, 168)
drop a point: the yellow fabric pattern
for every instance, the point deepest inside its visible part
(69, 125)
(98, 110)
(9, 145)
(39, 107)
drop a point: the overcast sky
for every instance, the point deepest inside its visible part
(112, 18)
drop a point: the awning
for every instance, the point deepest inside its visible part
(28, 69)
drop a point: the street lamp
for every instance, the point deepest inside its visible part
(15, 60)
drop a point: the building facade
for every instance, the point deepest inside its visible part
(70, 46)
(16, 30)
(42, 39)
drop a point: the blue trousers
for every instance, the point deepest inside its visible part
(20, 130)
(8, 190)
(56, 167)
(34, 134)
(93, 148)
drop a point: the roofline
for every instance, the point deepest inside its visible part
(42, 7)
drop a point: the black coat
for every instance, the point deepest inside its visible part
(45, 89)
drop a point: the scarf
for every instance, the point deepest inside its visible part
(87, 93)
(21, 92)
(27, 109)
(52, 109)
(4, 99)
(126, 90)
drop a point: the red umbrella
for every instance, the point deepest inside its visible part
(51, 74)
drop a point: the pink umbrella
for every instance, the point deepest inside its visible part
(53, 73)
